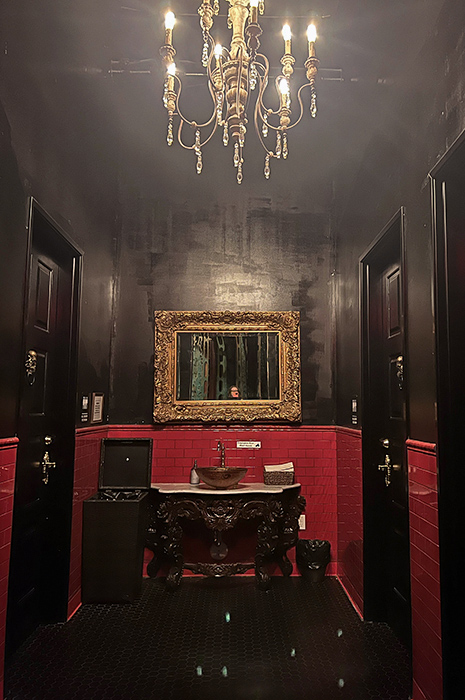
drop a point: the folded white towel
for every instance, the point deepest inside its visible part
(287, 467)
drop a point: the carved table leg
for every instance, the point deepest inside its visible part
(174, 576)
(262, 577)
(284, 563)
(263, 553)
(153, 567)
(289, 534)
(153, 542)
(175, 554)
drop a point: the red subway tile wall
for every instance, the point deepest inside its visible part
(418, 694)
(8, 448)
(311, 449)
(424, 563)
(350, 513)
(86, 468)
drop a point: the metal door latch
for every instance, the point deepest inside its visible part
(46, 463)
(387, 467)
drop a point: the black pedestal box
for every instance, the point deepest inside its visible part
(112, 549)
(114, 523)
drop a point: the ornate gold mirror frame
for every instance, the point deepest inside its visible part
(168, 324)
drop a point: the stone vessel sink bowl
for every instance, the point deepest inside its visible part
(221, 477)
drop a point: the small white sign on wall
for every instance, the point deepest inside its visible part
(248, 444)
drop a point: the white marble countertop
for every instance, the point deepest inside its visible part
(201, 489)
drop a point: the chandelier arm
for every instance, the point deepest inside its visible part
(210, 74)
(202, 144)
(265, 147)
(301, 113)
(270, 111)
(187, 121)
(209, 64)
(257, 112)
(266, 69)
(261, 111)
(302, 87)
(263, 81)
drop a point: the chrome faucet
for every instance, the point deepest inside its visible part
(221, 447)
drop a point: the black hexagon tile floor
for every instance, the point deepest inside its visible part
(215, 639)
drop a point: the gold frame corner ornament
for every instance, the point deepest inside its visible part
(167, 408)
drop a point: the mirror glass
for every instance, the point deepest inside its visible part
(239, 366)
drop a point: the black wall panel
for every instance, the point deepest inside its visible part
(57, 145)
(423, 115)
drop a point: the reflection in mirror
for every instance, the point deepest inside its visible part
(227, 366)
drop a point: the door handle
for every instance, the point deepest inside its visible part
(46, 463)
(31, 366)
(400, 371)
(386, 467)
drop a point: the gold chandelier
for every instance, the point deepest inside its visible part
(232, 76)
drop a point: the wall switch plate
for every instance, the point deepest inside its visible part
(302, 522)
(248, 444)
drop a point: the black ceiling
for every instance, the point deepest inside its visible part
(108, 53)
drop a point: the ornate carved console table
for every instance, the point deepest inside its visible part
(274, 510)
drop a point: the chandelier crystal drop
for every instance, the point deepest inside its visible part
(232, 75)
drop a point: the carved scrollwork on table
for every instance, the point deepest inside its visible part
(277, 530)
(219, 569)
(166, 406)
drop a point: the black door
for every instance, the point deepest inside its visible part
(386, 520)
(39, 563)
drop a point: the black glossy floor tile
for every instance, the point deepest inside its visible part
(215, 639)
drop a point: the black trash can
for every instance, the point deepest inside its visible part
(115, 523)
(113, 547)
(312, 557)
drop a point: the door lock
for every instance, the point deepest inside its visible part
(46, 463)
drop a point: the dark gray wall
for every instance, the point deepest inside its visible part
(424, 114)
(57, 146)
(252, 254)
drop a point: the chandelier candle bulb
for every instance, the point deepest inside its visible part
(254, 11)
(218, 54)
(287, 35)
(170, 20)
(311, 36)
(283, 86)
(171, 71)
